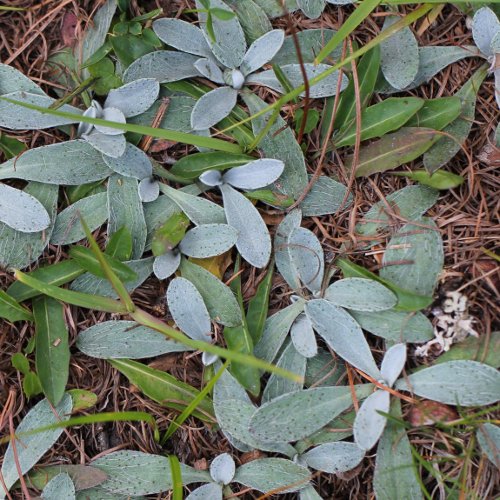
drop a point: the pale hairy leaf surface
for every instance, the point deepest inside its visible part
(208, 240)
(488, 437)
(334, 457)
(393, 363)
(149, 189)
(311, 8)
(165, 265)
(212, 107)
(135, 97)
(210, 70)
(262, 51)
(222, 468)
(60, 487)
(113, 145)
(212, 491)
(369, 424)
(132, 163)
(485, 25)
(325, 197)
(12, 80)
(303, 337)
(254, 175)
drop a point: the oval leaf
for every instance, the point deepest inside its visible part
(334, 457)
(148, 189)
(212, 491)
(254, 175)
(369, 424)
(342, 334)
(212, 107)
(188, 309)
(303, 338)
(135, 97)
(464, 383)
(222, 469)
(488, 436)
(262, 51)
(208, 240)
(165, 265)
(254, 242)
(133, 163)
(60, 487)
(393, 363)
(21, 211)
(360, 294)
(125, 339)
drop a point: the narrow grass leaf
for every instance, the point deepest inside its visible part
(192, 166)
(53, 274)
(393, 150)
(342, 334)
(258, 306)
(52, 350)
(30, 448)
(175, 470)
(125, 339)
(162, 387)
(11, 310)
(84, 300)
(379, 119)
(360, 294)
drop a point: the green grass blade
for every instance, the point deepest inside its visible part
(171, 135)
(363, 10)
(175, 424)
(11, 310)
(110, 274)
(75, 298)
(146, 319)
(175, 468)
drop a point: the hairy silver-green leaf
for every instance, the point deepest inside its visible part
(68, 229)
(325, 88)
(254, 175)
(280, 143)
(291, 360)
(297, 415)
(311, 41)
(15, 117)
(414, 257)
(342, 334)
(447, 147)
(183, 36)
(208, 240)
(281, 254)
(399, 57)
(397, 326)
(252, 17)
(135, 97)
(267, 474)
(199, 210)
(360, 294)
(254, 242)
(275, 331)
(222, 468)
(409, 203)
(303, 337)
(488, 437)
(325, 197)
(162, 65)
(30, 448)
(12, 80)
(88, 283)
(212, 491)
(60, 487)
(133, 163)
(393, 363)
(311, 8)
(17, 249)
(113, 145)
(21, 211)
(485, 25)
(229, 45)
(307, 257)
(219, 299)
(188, 309)
(464, 383)
(210, 70)
(56, 164)
(149, 189)
(262, 51)
(165, 265)
(125, 209)
(395, 473)
(135, 473)
(212, 107)
(369, 424)
(125, 339)
(334, 457)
